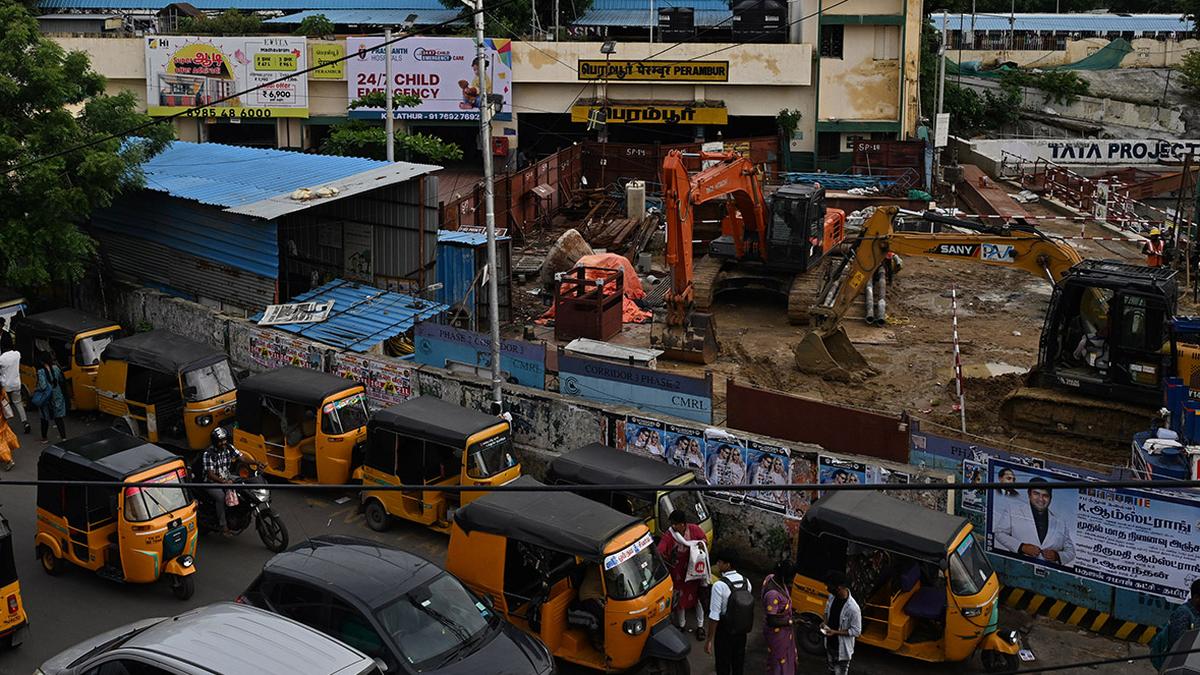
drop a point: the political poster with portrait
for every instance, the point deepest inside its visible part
(837, 471)
(973, 472)
(645, 436)
(725, 460)
(1142, 540)
(768, 465)
(685, 448)
(213, 76)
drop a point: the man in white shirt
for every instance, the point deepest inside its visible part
(1034, 530)
(729, 621)
(842, 626)
(10, 379)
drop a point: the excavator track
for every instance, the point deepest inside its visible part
(706, 275)
(803, 293)
(1040, 409)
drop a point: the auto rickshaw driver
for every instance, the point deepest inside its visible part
(219, 461)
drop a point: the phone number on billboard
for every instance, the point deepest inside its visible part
(228, 112)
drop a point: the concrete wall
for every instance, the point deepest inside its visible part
(1147, 53)
(545, 423)
(859, 86)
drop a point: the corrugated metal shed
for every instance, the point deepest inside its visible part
(362, 317)
(1091, 23)
(376, 17)
(460, 258)
(243, 5)
(634, 13)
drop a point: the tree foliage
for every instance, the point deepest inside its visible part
(1060, 86)
(972, 111)
(43, 201)
(229, 22)
(315, 26)
(362, 138)
(1189, 73)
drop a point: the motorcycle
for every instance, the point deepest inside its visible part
(254, 506)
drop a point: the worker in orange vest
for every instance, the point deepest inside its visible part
(1154, 249)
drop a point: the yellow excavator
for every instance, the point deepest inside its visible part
(1107, 342)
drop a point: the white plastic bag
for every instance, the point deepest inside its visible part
(697, 569)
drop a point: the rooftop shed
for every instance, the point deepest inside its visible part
(462, 257)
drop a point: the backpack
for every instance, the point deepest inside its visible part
(739, 608)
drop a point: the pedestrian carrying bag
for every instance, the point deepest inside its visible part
(40, 396)
(739, 608)
(231, 498)
(697, 569)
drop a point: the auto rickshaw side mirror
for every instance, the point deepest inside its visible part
(381, 665)
(189, 392)
(943, 564)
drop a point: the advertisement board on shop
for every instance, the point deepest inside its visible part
(439, 71)
(184, 72)
(652, 113)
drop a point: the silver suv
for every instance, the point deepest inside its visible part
(220, 639)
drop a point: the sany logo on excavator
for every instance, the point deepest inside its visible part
(1004, 253)
(958, 250)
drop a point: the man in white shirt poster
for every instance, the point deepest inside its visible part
(1034, 530)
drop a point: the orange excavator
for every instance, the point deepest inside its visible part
(766, 242)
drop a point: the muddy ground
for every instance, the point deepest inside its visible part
(1000, 316)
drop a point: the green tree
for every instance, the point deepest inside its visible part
(930, 40)
(51, 100)
(229, 22)
(363, 138)
(1189, 73)
(514, 19)
(315, 26)
(1060, 86)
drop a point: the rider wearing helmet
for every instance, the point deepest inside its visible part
(219, 461)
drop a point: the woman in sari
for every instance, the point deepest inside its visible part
(8, 439)
(777, 628)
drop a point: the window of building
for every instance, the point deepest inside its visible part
(829, 145)
(832, 38)
(887, 43)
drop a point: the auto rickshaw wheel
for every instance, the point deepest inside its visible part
(809, 639)
(182, 587)
(667, 667)
(53, 564)
(997, 662)
(377, 516)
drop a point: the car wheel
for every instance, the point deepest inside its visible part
(52, 564)
(377, 516)
(183, 587)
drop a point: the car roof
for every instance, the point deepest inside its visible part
(354, 568)
(231, 639)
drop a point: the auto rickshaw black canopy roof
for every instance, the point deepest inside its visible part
(597, 464)
(873, 519)
(61, 324)
(298, 385)
(435, 420)
(162, 351)
(106, 454)
(560, 521)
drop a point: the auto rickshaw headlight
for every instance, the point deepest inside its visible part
(972, 611)
(1009, 636)
(634, 626)
(204, 420)
(186, 560)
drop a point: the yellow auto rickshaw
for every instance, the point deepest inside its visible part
(302, 425)
(166, 388)
(597, 464)
(134, 534)
(75, 338)
(531, 553)
(428, 441)
(921, 578)
(14, 624)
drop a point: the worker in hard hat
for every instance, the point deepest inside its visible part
(1154, 249)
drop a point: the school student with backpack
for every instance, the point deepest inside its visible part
(1185, 617)
(49, 398)
(731, 613)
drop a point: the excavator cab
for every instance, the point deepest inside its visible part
(796, 237)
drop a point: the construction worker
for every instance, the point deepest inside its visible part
(1154, 249)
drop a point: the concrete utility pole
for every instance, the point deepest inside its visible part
(389, 124)
(485, 140)
(941, 88)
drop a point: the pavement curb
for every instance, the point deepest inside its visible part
(1090, 619)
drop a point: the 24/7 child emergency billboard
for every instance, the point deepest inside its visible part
(439, 71)
(198, 72)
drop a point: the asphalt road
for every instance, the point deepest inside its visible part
(72, 607)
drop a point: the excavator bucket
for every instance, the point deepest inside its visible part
(831, 356)
(695, 342)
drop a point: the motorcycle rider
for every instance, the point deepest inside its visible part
(219, 461)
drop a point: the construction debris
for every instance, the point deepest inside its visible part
(563, 255)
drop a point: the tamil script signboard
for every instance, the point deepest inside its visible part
(1141, 540)
(649, 390)
(654, 71)
(652, 113)
(439, 71)
(436, 345)
(183, 73)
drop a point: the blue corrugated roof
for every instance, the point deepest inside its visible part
(362, 316)
(230, 175)
(377, 17)
(244, 5)
(640, 17)
(466, 238)
(1143, 23)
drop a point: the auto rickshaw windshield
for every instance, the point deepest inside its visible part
(142, 503)
(969, 568)
(205, 382)
(432, 622)
(490, 456)
(345, 414)
(8, 565)
(633, 571)
(691, 503)
(89, 349)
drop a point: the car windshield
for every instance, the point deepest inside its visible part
(89, 349)
(142, 504)
(633, 571)
(345, 414)
(491, 456)
(209, 381)
(691, 503)
(969, 568)
(435, 621)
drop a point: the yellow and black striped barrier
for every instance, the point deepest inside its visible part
(1090, 619)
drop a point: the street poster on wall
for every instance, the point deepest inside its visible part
(387, 381)
(185, 72)
(440, 71)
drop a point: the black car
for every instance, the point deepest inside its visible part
(395, 606)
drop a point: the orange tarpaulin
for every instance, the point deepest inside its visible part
(630, 312)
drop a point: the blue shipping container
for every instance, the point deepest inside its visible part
(461, 258)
